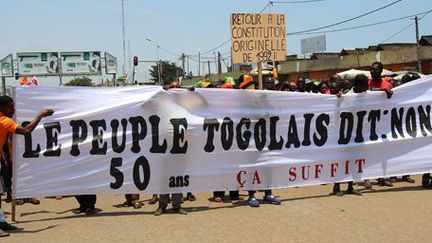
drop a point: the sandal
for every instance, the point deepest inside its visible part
(154, 199)
(33, 201)
(137, 205)
(217, 199)
(8, 198)
(3, 234)
(239, 198)
(190, 197)
(408, 179)
(126, 204)
(19, 202)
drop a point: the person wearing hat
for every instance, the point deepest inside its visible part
(229, 83)
(246, 82)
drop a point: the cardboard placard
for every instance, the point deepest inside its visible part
(258, 37)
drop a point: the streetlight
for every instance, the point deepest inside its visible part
(124, 42)
(158, 61)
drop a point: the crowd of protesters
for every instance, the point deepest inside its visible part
(333, 86)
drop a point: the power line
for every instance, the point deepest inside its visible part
(268, 4)
(362, 26)
(354, 27)
(169, 52)
(217, 47)
(397, 33)
(347, 20)
(314, 29)
(227, 41)
(405, 28)
(305, 1)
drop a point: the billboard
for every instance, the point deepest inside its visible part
(81, 63)
(258, 37)
(110, 64)
(38, 63)
(313, 44)
(6, 65)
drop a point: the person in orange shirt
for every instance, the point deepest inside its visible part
(9, 126)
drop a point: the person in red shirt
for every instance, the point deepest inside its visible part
(376, 82)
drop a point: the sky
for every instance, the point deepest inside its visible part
(190, 26)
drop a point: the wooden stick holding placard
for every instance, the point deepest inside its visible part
(260, 77)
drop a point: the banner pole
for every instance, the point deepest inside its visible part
(13, 211)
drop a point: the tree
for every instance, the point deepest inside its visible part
(80, 81)
(169, 71)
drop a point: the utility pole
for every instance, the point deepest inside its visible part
(183, 57)
(419, 65)
(216, 63)
(208, 63)
(129, 59)
(219, 66)
(199, 64)
(188, 71)
(124, 41)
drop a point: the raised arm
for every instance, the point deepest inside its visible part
(32, 125)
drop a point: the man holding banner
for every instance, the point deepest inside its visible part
(9, 126)
(175, 197)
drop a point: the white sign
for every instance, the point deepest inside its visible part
(38, 63)
(147, 140)
(6, 65)
(81, 63)
(313, 44)
(110, 64)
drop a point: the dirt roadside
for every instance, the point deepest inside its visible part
(308, 214)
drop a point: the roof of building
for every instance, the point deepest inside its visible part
(426, 40)
(353, 51)
(387, 46)
(322, 55)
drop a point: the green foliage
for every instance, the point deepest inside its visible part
(121, 78)
(169, 71)
(80, 81)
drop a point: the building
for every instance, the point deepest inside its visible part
(394, 56)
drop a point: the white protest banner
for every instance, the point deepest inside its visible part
(38, 63)
(258, 37)
(148, 140)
